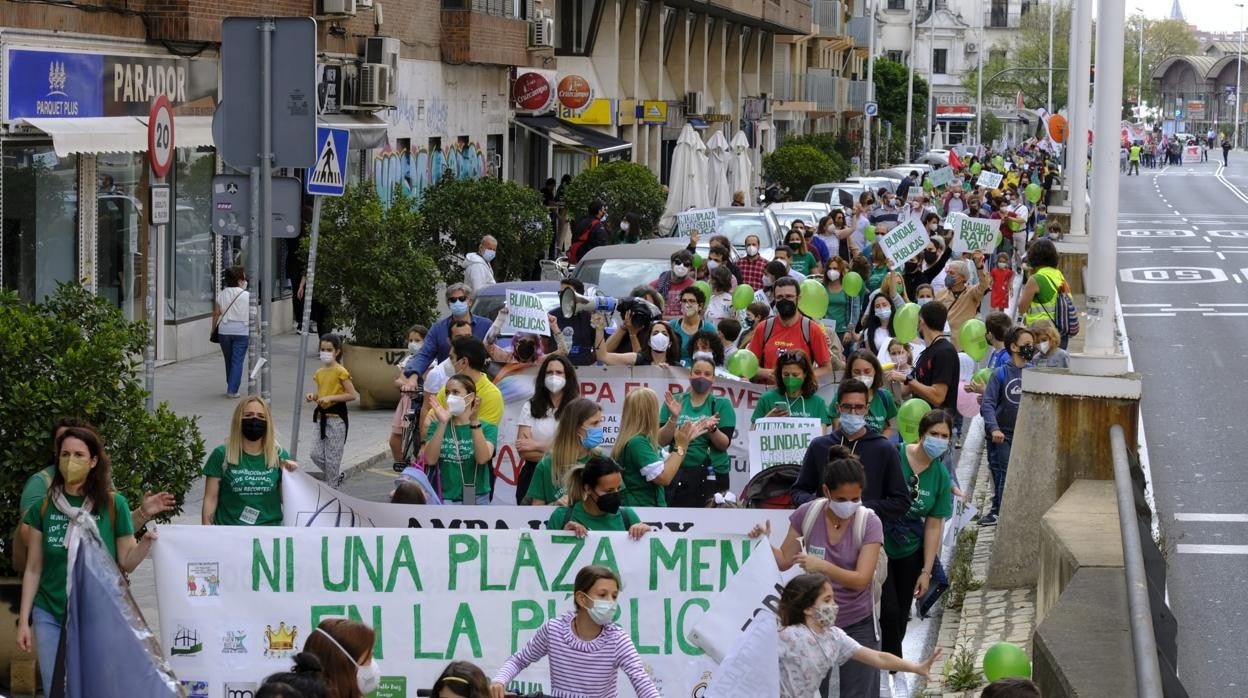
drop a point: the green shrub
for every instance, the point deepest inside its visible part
(372, 273)
(961, 671)
(74, 354)
(798, 167)
(835, 147)
(457, 213)
(625, 187)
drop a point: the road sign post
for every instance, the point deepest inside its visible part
(160, 159)
(331, 142)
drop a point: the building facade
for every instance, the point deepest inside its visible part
(1198, 93)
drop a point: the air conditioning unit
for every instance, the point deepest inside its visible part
(376, 85)
(695, 103)
(338, 7)
(542, 31)
(382, 50)
(972, 48)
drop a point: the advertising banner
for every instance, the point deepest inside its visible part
(431, 595)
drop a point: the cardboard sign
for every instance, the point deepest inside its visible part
(903, 242)
(971, 234)
(780, 441)
(990, 180)
(941, 177)
(526, 314)
(703, 221)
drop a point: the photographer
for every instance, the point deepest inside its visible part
(649, 340)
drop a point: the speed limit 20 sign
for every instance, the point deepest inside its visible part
(160, 136)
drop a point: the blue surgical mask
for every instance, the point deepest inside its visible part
(593, 437)
(459, 307)
(935, 446)
(852, 423)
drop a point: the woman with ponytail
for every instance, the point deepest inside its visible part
(594, 490)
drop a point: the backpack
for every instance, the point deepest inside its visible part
(1067, 316)
(859, 531)
(574, 250)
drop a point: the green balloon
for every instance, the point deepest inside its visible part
(869, 231)
(813, 301)
(1034, 192)
(981, 376)
(852, 284)
(976, 168)
(908, 416)
(743, 364)
(906, 324)
(1006, 659)
(742, 296)
(697, 261)
(1016, 225)
(972, 336)
(927, 185)
(706, 288)
(999, 163)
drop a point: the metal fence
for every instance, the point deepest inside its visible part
(858, 95)
(821, 88)
(860, 29)
(786, 86)
(830, 16)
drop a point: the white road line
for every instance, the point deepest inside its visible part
(1213, 549)
(1225, 314)
(1148, 314)
(1152, 305)
(1206, 237)
(1237, 279)
(1221, 305)
(1220, 255)
(1213, 518)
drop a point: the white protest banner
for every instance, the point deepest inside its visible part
(753, 591)
(780, 440)
(526, 314)
(991, 180)
(432, 596)
(941, 177)
(903, 242)
(607, 386)
(309, 503)
(703, 221)
(971, 234)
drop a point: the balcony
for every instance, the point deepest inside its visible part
(825, 90)
(477, 37)
(999, 18)
(860, 30)
(829, 16)
(857, 96)
(794, 16)
(787, 87)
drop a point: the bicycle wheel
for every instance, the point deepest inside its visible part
(411, 442)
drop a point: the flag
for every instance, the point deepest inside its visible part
(102, 614)
(954, 161)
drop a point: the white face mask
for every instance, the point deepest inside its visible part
(488, 255)
(554, 383)
(833, 275)
(659, 341)
(368, 677)
(413, 347)
(679, 270)
(712, 264)
(1043, 347)
(826, 614)
(624, 226)
(844, 510)
(900, 360)
(327, 357)
(751, 250)
(456, 404)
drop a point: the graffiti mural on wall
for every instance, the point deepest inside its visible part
(414, 173)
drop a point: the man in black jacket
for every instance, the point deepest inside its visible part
(588, 232)
(886, 492)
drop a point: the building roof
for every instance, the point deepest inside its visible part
(1206, 67)
(1176, 12)
(1222, 47)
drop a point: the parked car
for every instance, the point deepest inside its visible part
(737, 223)
(615, 270)
(880, 178)
(809, 212)
(491, 299)
(843, 194)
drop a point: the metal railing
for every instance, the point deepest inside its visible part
(1139, 612)
(829, 15)
(860, 29)
(858, 95)
(821, 88)
(999, 18)
(788, 87)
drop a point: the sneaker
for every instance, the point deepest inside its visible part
(232, 396)
(988, 520)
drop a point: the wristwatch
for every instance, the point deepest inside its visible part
(678, 450)
(475, 426)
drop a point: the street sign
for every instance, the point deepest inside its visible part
(293, 95)
(328, 176)
(160, 136)
(159, 201)
(231, 205)
(871, 109)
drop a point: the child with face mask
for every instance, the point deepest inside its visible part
(334, 391)
(345, 650)
(585, 647)
(460, 445)
(595, 501)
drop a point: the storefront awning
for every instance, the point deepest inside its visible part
(366, 130)
(571, 135)
(101, 134)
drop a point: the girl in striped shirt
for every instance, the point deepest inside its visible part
(584, 647)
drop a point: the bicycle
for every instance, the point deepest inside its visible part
(411, 432)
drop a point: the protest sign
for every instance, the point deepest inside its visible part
(432, 596)
(971, 234)
(991, 180)
(780, 440)
(702, 221)
(903, 242)
(526, 314)
(941, 177)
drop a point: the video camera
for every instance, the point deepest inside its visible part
(643, 312)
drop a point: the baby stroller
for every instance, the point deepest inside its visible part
(770, 488)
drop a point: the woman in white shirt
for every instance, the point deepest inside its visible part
(555, 386)
(230, 317)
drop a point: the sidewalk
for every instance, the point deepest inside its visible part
(196, 387)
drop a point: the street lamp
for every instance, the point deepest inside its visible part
(1139, 71)
(1239, 60)
(914, 14)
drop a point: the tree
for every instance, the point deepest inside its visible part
(1026, 58)
(625, 187)
(75, 355)
(991, 127)
(891, 87)
(1162, 39)
(828, 145)
(797, 167)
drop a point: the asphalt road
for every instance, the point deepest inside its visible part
(1183, 264)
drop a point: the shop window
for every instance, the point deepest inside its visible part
(40, 227)
(120, 249)
(189, 284)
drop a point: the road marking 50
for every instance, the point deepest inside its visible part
(1145, 233)
(1172, 275)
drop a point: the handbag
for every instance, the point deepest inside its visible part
(215, 336)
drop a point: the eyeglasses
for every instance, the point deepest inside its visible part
(852, 409)
(456, 299)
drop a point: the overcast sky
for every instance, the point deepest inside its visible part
(1209, 15)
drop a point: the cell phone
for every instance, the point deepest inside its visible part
(782, 408)
(470, 493)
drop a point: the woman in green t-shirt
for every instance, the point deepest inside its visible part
(83, 481)
(460, 445)
(646, 470)
(795, 395)
(595, 493)
(881, 405)
(243, 476)
(705, 469)
(578, 433)
(913, 542)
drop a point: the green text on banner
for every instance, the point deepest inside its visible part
(780, 441)
(526, 314)
(903, 242)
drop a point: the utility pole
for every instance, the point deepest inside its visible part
(979, 87)
(1049, 104)
(914, 14)
(931, 78)
(1239, 60)
(1139, 70)
(1076, 173)
(866, 119)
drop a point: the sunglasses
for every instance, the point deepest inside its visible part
(456, 299)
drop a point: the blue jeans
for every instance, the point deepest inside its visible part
(47, 631)
(234, 349)
(998, 461)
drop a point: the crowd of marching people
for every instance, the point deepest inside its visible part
(911, 350)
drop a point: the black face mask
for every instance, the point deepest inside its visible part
(609, 503)
(795, 245)
(1027, 352)
(786, 307)
(931, 256)
(254, 428)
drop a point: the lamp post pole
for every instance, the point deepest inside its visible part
(979, 82)
(866, 120)
(1076, 172)
(1139, 71)
(914, 14)
(1239, 59)
(1048, 105)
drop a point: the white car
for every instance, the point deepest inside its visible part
(809, 212)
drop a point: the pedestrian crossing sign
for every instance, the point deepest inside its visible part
(328, 176)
